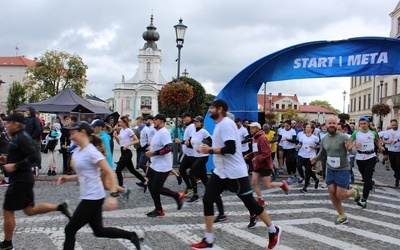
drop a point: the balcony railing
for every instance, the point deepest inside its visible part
(395, 99)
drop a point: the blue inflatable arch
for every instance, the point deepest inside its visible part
(360, 56)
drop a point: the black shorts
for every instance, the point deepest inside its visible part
(386, 152)
(240, 186)
(264, 172)
(273, 156)
(18, 196)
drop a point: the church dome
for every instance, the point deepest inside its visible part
(151, 36)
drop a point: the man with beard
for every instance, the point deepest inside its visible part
(334, 149)
(230, 173)
(160, 155)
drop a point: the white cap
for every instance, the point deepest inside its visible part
(255, 124)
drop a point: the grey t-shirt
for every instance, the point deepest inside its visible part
(334, 151)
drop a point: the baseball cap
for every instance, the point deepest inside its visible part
(186, 114)
(15, 118)
(255, 124)
(149, 117)
(98, 123)
(219, 103)
(81, 125)
(160, 117)
(199, 119)
(363, 118)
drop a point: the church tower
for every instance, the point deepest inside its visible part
(138, 95)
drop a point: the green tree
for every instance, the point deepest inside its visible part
(196, 106)
(16, 96)
(343, 116)
(210, 97)
(53, 72)
(294, 114)
(324, 104)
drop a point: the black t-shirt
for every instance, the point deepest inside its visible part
(23, 153)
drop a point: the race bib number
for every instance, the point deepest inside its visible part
(368, 146)
(307, 148)
(255, 147)
(219, 162)
(333, 161)
(195, 143)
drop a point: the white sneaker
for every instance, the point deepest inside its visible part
(324, 185)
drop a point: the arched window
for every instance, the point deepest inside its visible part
(128, 103)
(148, 67)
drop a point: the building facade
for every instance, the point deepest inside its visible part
(12, 69)
(138, 95)
(365, 91)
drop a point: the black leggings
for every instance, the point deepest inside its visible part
(367, 169)
(241, 187)
(156, 187)
(126, 161)
(186, 163)
(89, 211)
(394, 158)
(198, 170)
(308, 166)
(288, 154)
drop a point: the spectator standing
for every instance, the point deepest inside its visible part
(33, 127)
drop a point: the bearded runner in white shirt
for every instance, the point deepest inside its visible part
(392, 140)
(230, 173)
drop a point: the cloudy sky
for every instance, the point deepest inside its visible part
(223, 36)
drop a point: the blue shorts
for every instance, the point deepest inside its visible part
(339, 177)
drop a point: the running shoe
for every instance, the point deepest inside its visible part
(300, 180)
(35, 172)
(221, 218)
(3, 246)
(387, 168)
(179, 179)
(203, 244)
(285, 187)
(324, 185)
(141, 184)
(303, 190)
(49, 172)
(261, 202)
(289, 180)
(125, 196)
(156, 213)
(65, 209)
(53, 172)
(188, 191)
(3, 183)
(316, 184)
(136, 239)
(356, 194)
(274, 238)
(253, 221)
(373, 187)
(195, 198)
(342, 219)
(198, 180)
(180, 200)
(362, 203)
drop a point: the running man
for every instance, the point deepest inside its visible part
(21, 156)
(334, 150)
(230, 173)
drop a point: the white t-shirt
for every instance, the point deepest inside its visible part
(317, 131)
(161, 163)
(392, 135)
(288, 135)
(228, 165)
(189, 130)
(85, 164)
(243, 133)
(144, 136)
(305, 151)
(125, 136)
(367, 140)
(151, 132)
(197, 141)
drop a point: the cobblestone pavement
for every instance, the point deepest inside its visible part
(307, 220)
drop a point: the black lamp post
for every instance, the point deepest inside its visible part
(180, 30)
(381, 87)
(344, 100)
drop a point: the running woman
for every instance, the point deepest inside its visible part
(87, 162)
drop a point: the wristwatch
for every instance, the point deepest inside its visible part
(211, 151)
(114, 194)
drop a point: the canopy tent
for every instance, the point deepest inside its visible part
(361, 56)
(65, 102)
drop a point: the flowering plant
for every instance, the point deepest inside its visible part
(175, 95)
(381, 109)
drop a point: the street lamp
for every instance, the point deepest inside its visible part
(344, 100)
(270, 102)
(180, 30)
(381, 86)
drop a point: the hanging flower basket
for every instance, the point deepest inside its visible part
(175, 95)
(381, 109)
